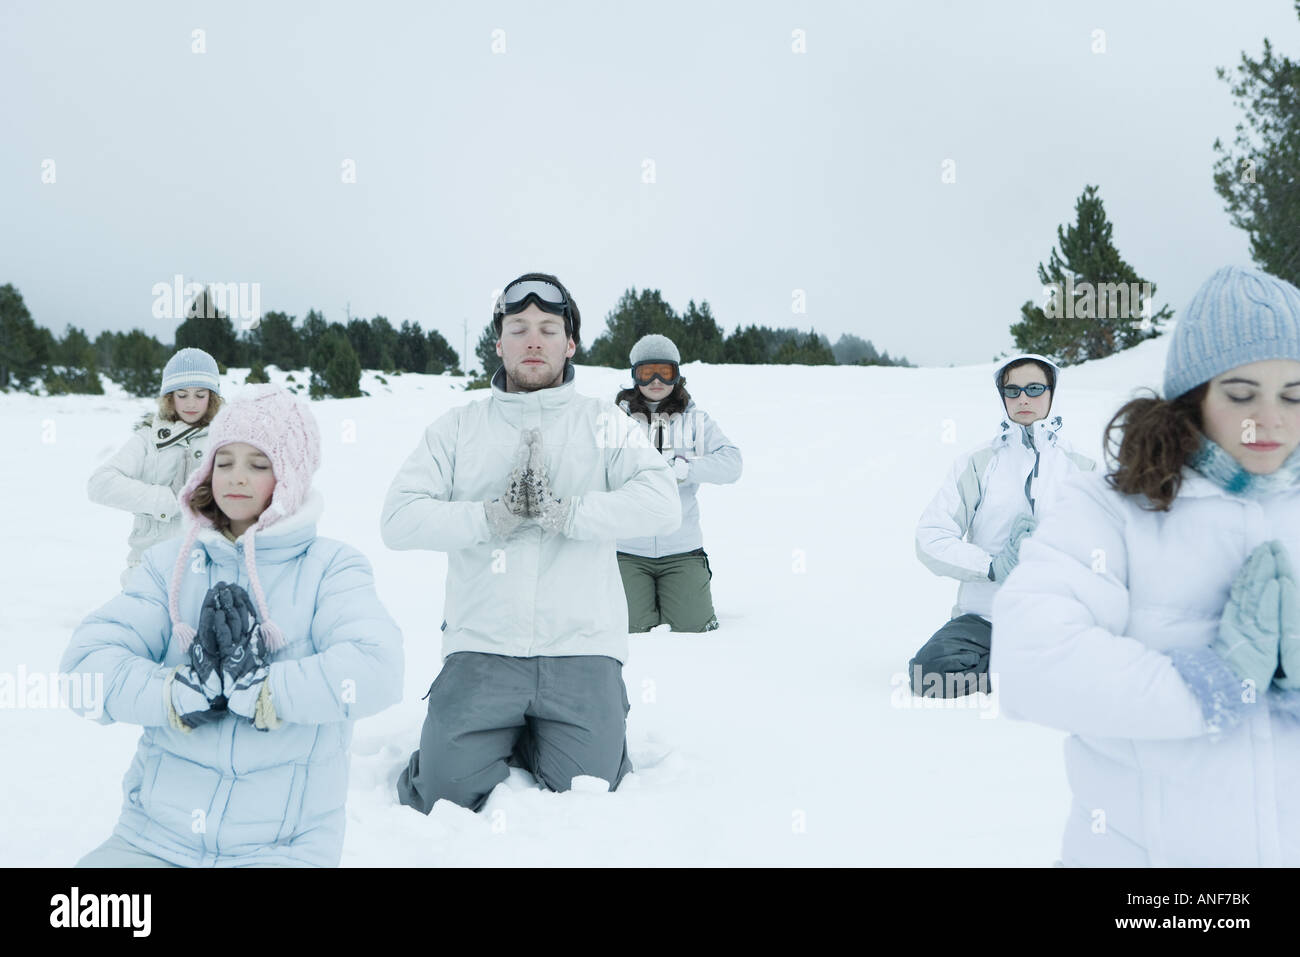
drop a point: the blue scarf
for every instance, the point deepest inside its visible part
(1212, 461)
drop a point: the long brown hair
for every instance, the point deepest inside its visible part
(1157, 437)
(675, 401)
(204, 502)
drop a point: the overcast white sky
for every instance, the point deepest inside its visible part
(774, 170)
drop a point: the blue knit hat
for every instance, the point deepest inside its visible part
(190, 369)
(1238, 316)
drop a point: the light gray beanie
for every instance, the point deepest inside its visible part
(1236, 317)
(655, 347)
(190, 369)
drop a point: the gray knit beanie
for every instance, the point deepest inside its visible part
(1238, 316)
(655, 347)
(190, 369)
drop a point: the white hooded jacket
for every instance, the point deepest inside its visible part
(693, 435)
(969, 519)
(145, 476)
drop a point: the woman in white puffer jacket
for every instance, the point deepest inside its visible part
(145, 476)
(972, 528)
(1154, 613)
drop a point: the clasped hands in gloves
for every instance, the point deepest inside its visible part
(1006, 560)
(528, 498)
(228, 661)
(1259, 633)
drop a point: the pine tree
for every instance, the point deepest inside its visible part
(206, 327)
(702, 338)
(335, 369)
(313, 328)
(274, 341)
(634, 316)
(24, 352)
(138, 360)
(486, 351)
(73, 367)
(1259, 178)
(441, 356)
(1096, 306)
(747, 347)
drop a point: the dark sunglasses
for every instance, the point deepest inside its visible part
(1034, 390)
(666, 372)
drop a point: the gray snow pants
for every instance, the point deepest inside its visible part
(955, 661)
(555, 717)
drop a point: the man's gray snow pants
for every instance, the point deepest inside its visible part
(555, 717)
(955, 661)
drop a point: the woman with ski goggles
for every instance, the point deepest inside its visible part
(666, 578)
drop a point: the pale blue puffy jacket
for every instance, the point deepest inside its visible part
(225, 793)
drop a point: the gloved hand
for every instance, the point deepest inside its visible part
(681, 469)
(1248, 635)
(196, 691)
(551, 513)
(245, 663)
(507, 513)
(1007, 559)
(1287, 676)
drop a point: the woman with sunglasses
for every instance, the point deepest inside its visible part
(972, 529)
(1155, 614)
(666, 578)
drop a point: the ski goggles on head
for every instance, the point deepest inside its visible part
(666, 372)
(548, 296)
(1034, 390)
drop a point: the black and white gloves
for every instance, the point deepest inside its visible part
(528, 498)
(228, 664)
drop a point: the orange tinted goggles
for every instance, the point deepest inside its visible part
(646, 372)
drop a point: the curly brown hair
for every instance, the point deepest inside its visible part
(675, 401)
(1157, 437)
(167, 408)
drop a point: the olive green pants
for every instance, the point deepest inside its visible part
(672, 589)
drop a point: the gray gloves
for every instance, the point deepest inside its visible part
(528, 496)
(1287, 676)
(1263, 596)
(507, 513)
(1007, 559)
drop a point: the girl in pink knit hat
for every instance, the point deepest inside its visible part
(246, 650)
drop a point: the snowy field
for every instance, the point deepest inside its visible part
(787, 737)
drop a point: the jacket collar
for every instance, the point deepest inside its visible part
(283, 540)
(1035, 436)
(166, 433)
(515, 405)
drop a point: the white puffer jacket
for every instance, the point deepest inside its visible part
(533, 594)
(693, 435)
(969, 519)
(1082, 635)
(145, 476)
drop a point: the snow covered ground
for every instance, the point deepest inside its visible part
(784, 738)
